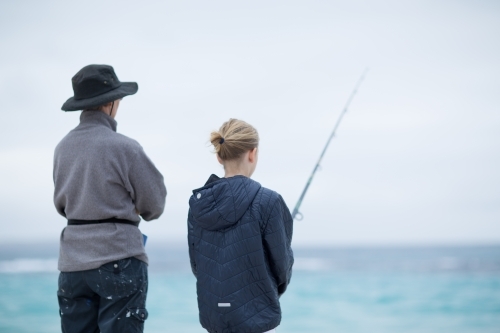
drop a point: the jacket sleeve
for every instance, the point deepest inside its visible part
(148, 188)
(277, 238)
(191, 242)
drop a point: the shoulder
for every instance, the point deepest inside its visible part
(127, 142)
(124, 144)
(62, 143)
(267, 200)
(69, 144)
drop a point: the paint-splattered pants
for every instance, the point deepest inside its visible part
(108, 299)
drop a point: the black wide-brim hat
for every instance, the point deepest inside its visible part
(96, 85)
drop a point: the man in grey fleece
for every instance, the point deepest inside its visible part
(103, 182)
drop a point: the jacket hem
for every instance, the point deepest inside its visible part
(230, 329)
(96, 264)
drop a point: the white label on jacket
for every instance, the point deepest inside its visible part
(224, 305)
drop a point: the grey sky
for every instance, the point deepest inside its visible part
(416, 159)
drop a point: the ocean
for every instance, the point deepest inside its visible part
(371, 289)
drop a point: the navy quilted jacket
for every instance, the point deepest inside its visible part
(239, 237)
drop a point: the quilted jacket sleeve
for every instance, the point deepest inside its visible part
(191, 242)
(277, 237)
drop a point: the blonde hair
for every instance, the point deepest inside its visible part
(233, 139)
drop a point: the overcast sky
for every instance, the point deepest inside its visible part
(415, 161)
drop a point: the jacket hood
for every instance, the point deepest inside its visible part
(222, 201)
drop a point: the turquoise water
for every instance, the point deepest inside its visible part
(409, 294)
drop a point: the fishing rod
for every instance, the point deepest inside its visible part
(296, 214)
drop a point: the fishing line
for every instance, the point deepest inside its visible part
(296, 214)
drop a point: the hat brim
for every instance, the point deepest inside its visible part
(126, 89)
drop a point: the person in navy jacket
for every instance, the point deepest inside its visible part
(239, 236)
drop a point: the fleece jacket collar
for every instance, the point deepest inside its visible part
(98, 118)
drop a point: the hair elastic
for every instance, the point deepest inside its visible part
(221, 141)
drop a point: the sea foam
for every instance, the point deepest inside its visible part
(27, 265)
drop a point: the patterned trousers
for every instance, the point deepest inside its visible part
(108, 299)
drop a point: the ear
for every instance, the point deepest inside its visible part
(219, 159)
(106, 107)
(252, 155)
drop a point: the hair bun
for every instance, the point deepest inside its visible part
(237, 136)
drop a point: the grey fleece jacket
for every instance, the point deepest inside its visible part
(100, 174)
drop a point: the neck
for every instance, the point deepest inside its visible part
(233, 170)
(108, 112)
(232, 174)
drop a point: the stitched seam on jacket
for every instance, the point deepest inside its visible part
(272, 248)
(246, 194)
(247, 303)
(259, 204)
(223, 264)
(254, 314)
(232, 194)
(219, 296)
(223, 247)
(248, 285)
(215, 204)
(204, 272)
(275, 231)
(271, 217)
